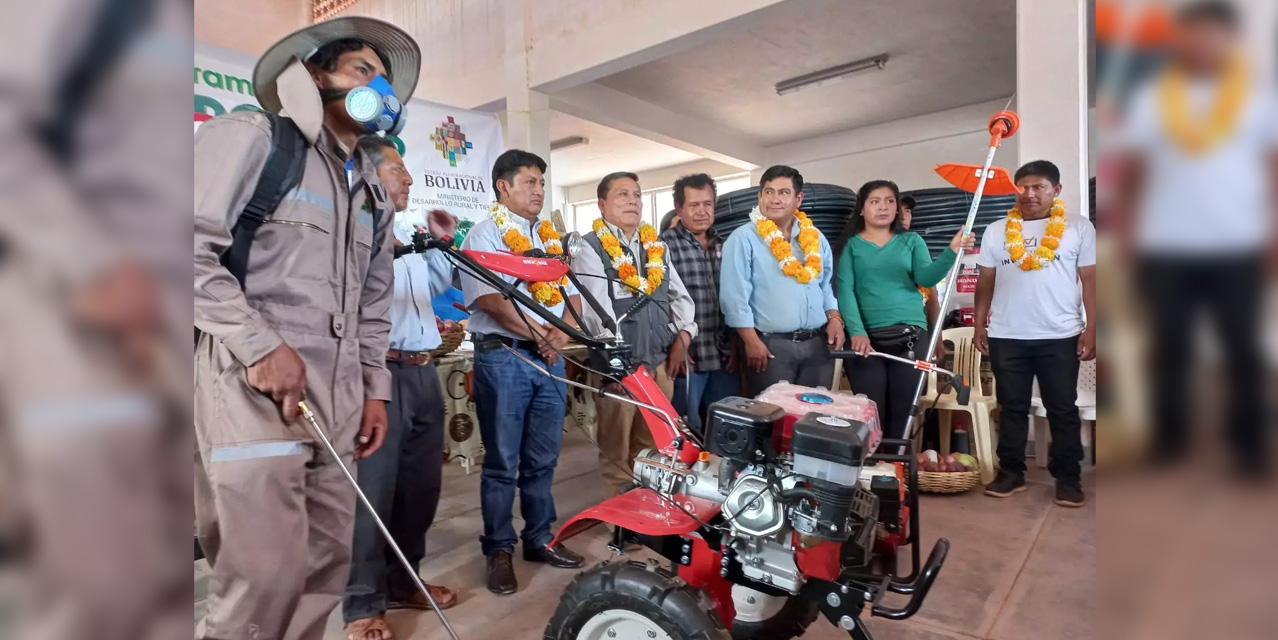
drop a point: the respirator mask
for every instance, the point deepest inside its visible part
(373, 105)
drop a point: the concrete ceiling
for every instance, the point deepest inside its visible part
(609, 150)
(944, 54)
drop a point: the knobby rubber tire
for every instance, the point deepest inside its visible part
(648, 589)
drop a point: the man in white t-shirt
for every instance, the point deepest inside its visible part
(1041, 324)
(1200, 144)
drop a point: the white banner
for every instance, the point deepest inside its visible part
(450, 152)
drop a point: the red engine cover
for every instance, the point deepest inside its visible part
(822, 561)
(781, 437)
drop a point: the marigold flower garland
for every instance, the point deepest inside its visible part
(547, 293)
(625, 265)
(809, 242)
(1220, 122)
(1046, 251)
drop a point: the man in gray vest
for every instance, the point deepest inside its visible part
(625, 250)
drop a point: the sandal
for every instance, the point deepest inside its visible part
(444, 597)
(362, 628)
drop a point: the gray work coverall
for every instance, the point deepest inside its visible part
(274, 512)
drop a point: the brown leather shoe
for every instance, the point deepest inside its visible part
(501, 573)
(556, 556)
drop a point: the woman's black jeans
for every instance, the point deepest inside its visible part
(891, 385)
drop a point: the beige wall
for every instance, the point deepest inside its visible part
(462, 42)
(248, 26)
(909, 165)
(652, 179)
(904, 151)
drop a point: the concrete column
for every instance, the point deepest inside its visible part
(527, 111)
(1051, 91)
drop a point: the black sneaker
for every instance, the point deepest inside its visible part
(1069, 493)
(1005, 485)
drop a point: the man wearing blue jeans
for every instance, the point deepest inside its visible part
(709, 373)
(520, 410)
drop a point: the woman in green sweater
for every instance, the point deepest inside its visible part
(877, 279)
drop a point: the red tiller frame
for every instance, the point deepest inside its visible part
(517, 266)
(639, 382)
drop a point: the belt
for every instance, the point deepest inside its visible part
(799, 336)
(408, 357)
(490, 341)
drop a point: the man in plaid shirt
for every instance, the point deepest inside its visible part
(694, 249)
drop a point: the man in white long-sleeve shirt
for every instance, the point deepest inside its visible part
(659, 334)
(402, 479)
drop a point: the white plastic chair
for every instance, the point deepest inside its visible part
(967, 362)
(1086, 410)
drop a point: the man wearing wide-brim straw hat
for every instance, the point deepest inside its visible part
(310, 319)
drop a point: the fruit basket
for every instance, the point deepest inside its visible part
(452, 338)
(958, 481)
(948, 481)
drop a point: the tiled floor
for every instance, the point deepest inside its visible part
(1018, 568)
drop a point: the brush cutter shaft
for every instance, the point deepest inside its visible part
(952, 277)
(390, 540)
(921, 365)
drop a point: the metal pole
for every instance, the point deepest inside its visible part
(574, 383)
(950, 281)
(390, 540)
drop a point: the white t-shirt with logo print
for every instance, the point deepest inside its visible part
(1046, 304)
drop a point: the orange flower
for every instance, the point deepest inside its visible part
(654, 281)
(1051, 241)
(654, 250)
(809, 241)
(541, 292)
(546, 231)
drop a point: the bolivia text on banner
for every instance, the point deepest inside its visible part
(449, 151)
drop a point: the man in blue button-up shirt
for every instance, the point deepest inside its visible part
(402, 479)
(786, 326)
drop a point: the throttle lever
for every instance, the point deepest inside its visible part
(640, 301)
